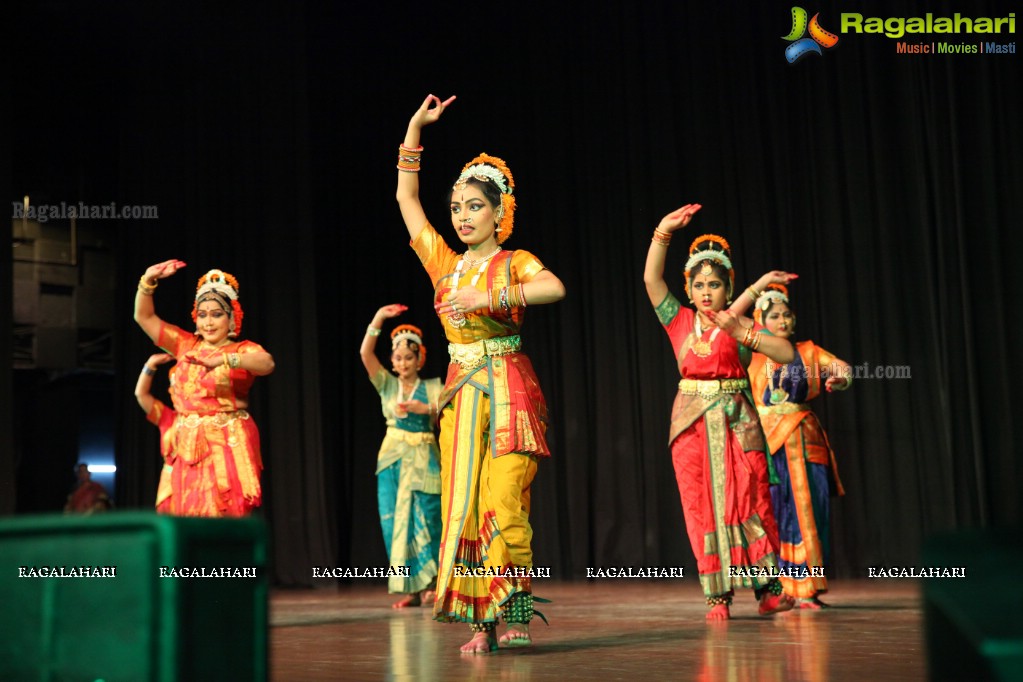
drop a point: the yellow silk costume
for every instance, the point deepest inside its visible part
(492, 432)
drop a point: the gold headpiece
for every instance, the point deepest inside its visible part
(409, 333)
(720, 255)
(222, 287)
(774, 293)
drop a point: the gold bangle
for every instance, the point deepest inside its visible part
(145, 288)
(513, 297)
(234, 360)
(373, 331)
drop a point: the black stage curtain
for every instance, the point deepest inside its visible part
(266, 134)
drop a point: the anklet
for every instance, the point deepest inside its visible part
(519, 608)
(721, 600)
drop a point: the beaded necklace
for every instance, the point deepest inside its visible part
(465, 260)
(402, 397)
(457, 320)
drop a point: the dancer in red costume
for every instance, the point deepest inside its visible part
(717, 445)
(217, 462)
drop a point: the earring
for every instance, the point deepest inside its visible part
(231, 330)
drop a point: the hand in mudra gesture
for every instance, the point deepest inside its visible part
(163, 270)
(678, 218)
(430, 110)
(465, 300)
(414, 406)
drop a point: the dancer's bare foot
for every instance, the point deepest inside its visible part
(481, 643)
(517, 635)
(775, 603)
(812, 603)
(409, 600)
(719, 612)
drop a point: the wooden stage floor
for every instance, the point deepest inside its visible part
(606, 630)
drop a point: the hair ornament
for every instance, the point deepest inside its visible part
(222, 287)
(487, 168)
(774, 293)
(409, 334)
(406, 332)
(721, 255)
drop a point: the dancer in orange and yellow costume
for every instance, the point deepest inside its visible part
(493, 414)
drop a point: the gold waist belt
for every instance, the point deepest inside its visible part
(193, 420)
(472, 355)
(783, 408)
(708, 388)
(410, 437)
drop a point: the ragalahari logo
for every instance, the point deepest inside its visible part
(801, 45)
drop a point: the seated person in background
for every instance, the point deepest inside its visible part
(88, 496)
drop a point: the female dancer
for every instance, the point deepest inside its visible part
(162, 417)
(717, 446)
(800, 451)
(494, 416)
(408, 468)
(216, 443)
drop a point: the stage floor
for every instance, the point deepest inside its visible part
(607, 630)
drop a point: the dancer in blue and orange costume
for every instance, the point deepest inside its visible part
(717, 446)
(493, 414)
(216, 456)
(802, 458)
(408, 465)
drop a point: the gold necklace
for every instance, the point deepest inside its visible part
(702, 348)
(778, 394)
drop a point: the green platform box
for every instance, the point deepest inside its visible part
(141, 623)
(974, 624)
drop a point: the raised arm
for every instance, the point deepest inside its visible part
(144, 385)
(145, 311)
(747, 298)
(369, 342)
(408, 164)
(653, 272)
